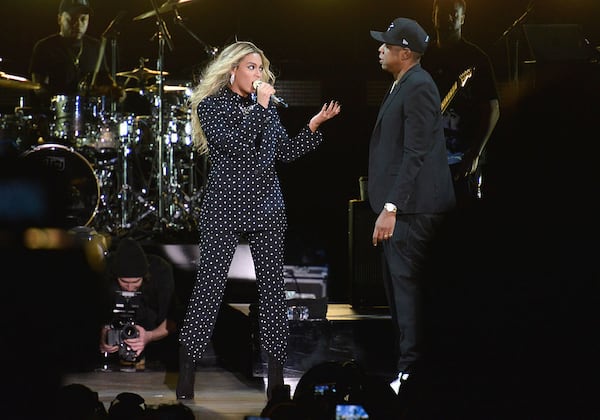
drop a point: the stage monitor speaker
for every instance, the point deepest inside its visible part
(366, 286)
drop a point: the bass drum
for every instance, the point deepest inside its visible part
(68, 182)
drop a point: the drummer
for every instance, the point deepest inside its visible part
(65, 63)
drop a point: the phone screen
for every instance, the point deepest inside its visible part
(350, 412)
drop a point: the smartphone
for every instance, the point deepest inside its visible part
(350, 412)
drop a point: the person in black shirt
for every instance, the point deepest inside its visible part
(65, 62)
(472, 113)
(158, 312)
(71, 65)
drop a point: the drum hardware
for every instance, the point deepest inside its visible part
(108, 212)
(141, 73)
(124, 193)
(165, 170)
(166, 7)
(143, 207)
(163, 37)
(171, 195)
(134, 206)
(179, 20)
(122, 206)
(181, 214)
(121, 151)
(182, 181)
(125, 163)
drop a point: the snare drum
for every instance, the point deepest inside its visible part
(75, 119)
(72, 188)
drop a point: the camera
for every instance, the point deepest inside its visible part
(122, 326)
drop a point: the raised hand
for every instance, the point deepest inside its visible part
(327, 112)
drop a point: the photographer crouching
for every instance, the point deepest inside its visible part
(142, 310)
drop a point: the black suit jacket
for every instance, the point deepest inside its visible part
(407, 154)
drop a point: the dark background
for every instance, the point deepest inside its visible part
(329, 42)
(305, 38)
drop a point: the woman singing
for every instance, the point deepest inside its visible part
(235, 121)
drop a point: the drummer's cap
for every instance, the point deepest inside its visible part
(72, 6)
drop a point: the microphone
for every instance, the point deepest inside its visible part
(277, 100)
(113, 28)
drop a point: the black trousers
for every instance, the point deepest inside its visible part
(404, 256)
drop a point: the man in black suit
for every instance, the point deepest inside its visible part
(410, 185)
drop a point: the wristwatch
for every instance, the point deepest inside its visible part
(390, 207)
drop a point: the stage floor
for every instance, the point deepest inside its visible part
(228, 390)
(219, 394)
(346, 334)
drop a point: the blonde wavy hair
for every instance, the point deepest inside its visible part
(215, 76)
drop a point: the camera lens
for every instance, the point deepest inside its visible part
(129, 331)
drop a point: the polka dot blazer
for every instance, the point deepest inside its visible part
(243, 197)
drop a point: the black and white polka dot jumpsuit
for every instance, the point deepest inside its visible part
(243, 196)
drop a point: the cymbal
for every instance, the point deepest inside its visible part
(141, 73)
(167, 6)
(17, 82)
(168, 88)
(133, 89)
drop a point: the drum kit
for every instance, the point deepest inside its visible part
(126, 169)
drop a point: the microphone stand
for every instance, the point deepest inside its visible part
(112, 32)
(163, 36)
(505, 37)
(211, 52)
(124, 146)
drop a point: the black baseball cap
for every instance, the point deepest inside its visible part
(406, 33)
(71, 6)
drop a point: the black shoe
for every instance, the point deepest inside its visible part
(274, 376)
(187, 376)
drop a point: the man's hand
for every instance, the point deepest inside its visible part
(139, 343)
(384, 226)
(467, 166)
(104, 346)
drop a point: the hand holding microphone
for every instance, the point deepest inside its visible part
(266, 92)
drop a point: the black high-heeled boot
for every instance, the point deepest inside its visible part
(274, 377)
(187, 376)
